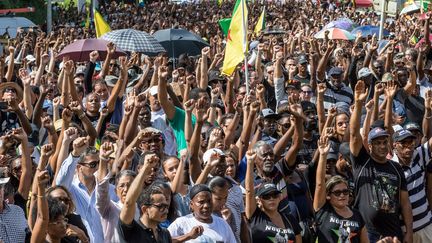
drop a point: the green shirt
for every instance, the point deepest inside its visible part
(178, 126)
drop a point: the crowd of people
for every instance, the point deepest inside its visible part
(326, 141)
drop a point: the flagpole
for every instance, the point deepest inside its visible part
(245, 47)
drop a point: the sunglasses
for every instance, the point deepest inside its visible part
(161, 207)
(271, 195)
(10, 90)
(91, 165)
(337, 193)
(284, 125)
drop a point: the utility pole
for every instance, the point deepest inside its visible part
(383, 17)
(49, 16)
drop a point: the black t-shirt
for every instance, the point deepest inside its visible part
(331, 227)
(306, 153)
(137, 232)
(263, 229)
(414, 106)
(378, 189)
(269, 95)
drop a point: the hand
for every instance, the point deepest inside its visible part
(104, 112)
(215, 159)
(123, 63)
(296, 110)
(140, 100)
(111, 48)
(250, 156)
(391, 89)
(11, 50)
(45, 59)
(428, 99)
(68, 66)
(201, 111)
(94, 55)
(323, 145)
(195, 232)
(19, 134)
(260, 90)
(255, 106)
(163, 72)
(205, 51)
(189, 106)
(106, 150)
(151, 161)
(379, 88)
(75, 106)
(331, 45)
(12, 104)
(321, 89)
(157, 62)
(79, 146)
(279, 56)
(47, 150)
(226, 213)
(360, 93)
(24, 76)
(332, 112)
(190, 80)
(260, 47)
(56, 102)
(47, 123)
(67, 115)
(215, 94)
(369, 105)
(42, 177)
(73, 230)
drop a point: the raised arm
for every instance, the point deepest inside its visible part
(249, 185)
(26, 163)
(11, 64)
(427, 117)
(360, 95)
(390, 92)
(322, 87)
(189, 107)
(324, 60)
(102, 187)
(76, 107)
(203, 82)
(111, 48)
(41, 226)
(26, 80)
(163, 94)
(127, 213)
(297, 141)
(119, 86)
(320, 184)
(195, 165)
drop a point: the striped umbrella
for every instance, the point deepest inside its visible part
(134, 41)
(335, 34)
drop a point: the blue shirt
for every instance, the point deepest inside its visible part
(85, 204)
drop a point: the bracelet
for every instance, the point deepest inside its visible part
(39, 196)
(81, 116)
(104, 159)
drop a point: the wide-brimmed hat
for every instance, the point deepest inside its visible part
(15, 86)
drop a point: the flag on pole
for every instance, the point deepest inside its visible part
(101, 25)
(225, 23)
(236, 39)
(261, 23)
(219, 2)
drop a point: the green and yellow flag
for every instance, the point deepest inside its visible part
(225, 23)
(236, 39)
(101, 25)
(261, 23)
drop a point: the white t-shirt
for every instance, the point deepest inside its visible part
(216, 232)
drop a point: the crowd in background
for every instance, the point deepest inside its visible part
(327, 140)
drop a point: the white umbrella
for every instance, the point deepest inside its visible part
(410, 9)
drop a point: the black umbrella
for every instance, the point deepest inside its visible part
(179, 41)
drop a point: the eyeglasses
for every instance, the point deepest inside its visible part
(337, 193)
(269, 196)
(63, 221)
(161, 207)
(10, 90)
(91, 165)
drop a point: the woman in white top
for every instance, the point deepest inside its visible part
(201, 225)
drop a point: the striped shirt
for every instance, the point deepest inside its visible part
(416, 178)
(333, 95)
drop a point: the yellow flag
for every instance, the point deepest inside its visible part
(101, 25)
(236, 39)
(260, 24)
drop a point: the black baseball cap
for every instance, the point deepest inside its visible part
(266, 188)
